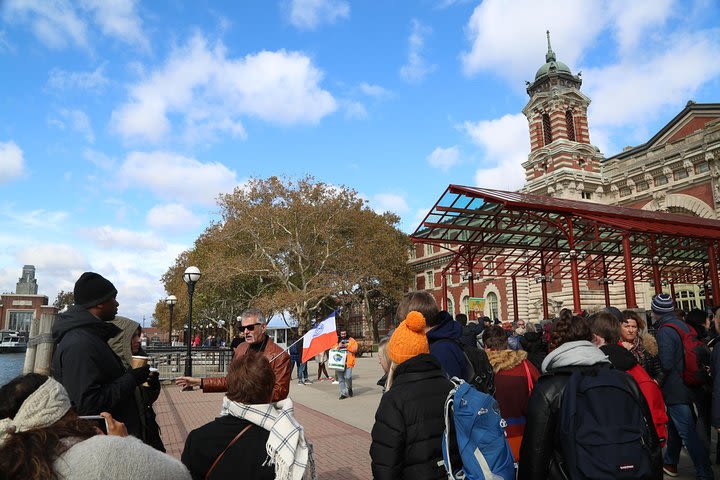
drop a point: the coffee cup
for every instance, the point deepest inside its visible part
(138, 361)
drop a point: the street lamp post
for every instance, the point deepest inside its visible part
(191, 276)
(171, 301)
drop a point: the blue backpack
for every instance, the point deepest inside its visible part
(603, 429)
(475, 431)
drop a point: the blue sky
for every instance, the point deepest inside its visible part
(121, 121)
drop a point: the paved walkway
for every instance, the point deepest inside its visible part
(338, 429)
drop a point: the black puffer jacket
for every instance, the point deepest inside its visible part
(92, 374)
(407, 435)
(541, 457)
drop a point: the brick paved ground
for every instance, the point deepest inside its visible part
(180, 412)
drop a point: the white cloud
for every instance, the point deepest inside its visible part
(54, 22)
(389, 202)
(64, 80)
(354, 109)
(444, 158)
(506, 144)
(120, 238)
(518, 51)
(173, 217)
(78, 121)
(309, 14)
(118, 19)
(53, 258)
(416, 67)
(620, 91)
(11, 161)
(98, 159)
(175, 177)
(211, 92)
(374, 90)
(38, 218)
(632, 19)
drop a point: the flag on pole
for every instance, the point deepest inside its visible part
(321, 337)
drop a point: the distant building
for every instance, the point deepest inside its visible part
(18, 310)
(677, 170)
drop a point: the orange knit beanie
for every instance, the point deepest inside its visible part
(409, 339)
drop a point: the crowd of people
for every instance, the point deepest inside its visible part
(639, 403)
(94, 417)
(591, 395)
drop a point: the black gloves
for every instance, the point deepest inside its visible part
(140, 374)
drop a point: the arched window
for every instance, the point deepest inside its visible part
(570, 124)
(450, 307)
(492, 305)
(465, 305)
(547, 132)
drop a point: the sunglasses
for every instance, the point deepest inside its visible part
(250, 327)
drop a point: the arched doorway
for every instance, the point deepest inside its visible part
(491, 301)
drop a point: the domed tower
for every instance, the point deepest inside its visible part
(562, 162)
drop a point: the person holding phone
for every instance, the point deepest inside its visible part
(41, 436)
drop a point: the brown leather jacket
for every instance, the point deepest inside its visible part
(280, 366)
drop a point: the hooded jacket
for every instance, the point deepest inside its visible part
(145, 396)
(470, 334)
(444, 340)
(541, 455)
(92, 374)
(409, 423)
(515, 378)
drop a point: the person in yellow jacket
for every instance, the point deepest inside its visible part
(345, 377)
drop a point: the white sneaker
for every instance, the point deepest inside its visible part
(335, 382)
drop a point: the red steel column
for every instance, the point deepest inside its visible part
(471, 288)
(543, 286)
(515, 298)
(575, 285)
(713, 274)
(606, 286)
(672, 290)
(630, 300)
(444, 289)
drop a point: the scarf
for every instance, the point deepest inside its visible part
(44, 407)
(286, 446)
(638, 349)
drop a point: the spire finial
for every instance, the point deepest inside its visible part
(550, 55)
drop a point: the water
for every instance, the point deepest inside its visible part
(11, 365)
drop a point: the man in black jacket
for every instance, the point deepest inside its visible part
(84, 363)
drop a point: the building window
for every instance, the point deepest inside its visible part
(586, 195)
(450, 307)
(680, 174)
(642, 186)
(20, 320)
(660, 180)
(702, 167)
(687, 300)
(428, 249)
(430, 280)
(625, 191)
(465, 306)
(412, 252)
(570, 123)
(492, 305)
(547, 132)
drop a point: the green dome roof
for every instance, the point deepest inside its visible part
(552, 66)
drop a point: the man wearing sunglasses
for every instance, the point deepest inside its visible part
(252, 326)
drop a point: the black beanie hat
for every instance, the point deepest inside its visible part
(92, 289)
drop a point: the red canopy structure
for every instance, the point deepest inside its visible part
(544, 237)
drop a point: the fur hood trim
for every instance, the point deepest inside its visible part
(505, 359)
(650, 344)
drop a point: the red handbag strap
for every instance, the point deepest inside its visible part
(237, 437)
(529, 377)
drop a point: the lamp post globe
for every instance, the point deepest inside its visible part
(171, 300)
(191, 276)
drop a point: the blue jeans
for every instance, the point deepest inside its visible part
(682, 430)
(301, 368)
(345, 380)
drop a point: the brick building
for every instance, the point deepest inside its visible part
(677, 170)
(19, 309)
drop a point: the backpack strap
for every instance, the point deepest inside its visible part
(529, 377)
(232, 442)
(448, 412)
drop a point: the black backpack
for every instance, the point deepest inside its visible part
(480, 372)
(604, 433)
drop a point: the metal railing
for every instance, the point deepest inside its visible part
(206, 361)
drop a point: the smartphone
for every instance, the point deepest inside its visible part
(97, 421)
